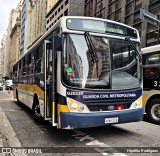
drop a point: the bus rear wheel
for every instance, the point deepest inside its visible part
(153, 111)
(36, 112)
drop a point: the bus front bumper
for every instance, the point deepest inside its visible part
(85, 120)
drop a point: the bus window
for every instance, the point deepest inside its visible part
(151, 66)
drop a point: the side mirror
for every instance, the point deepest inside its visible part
(57, 43)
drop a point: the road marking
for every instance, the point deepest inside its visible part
(81, 136)
(7, 132)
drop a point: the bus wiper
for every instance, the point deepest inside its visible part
(91, 47)
(133, 46)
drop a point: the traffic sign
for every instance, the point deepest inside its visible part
(149, 17)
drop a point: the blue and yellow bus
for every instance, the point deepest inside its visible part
(151, 82)
(83, 72)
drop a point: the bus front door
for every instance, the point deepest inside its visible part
(48, 81)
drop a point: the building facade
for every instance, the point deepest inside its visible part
(12, 21)
(1, 75)
(127, 12)
(64, 8)
(50, 4)
(36, 20)
(15, 44)
(2, 57)
(153, 33)
(24, 15)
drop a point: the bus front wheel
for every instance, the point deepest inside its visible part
(153, 111)
(36, 111)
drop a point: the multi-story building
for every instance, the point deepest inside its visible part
(12, 21)
(2, 57)
(153, 34)
(64, 8)
(128, 12)
(24, 15)
(50, 4)
(15, 44)
(36, 20)
(1, 64)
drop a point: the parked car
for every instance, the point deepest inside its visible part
(9, 84)
(1, 85)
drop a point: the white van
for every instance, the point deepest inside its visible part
(9, 84)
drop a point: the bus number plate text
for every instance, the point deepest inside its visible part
(111, 120)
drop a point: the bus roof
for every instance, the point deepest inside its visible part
(151, 49)
(62, 21)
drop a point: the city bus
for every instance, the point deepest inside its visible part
(83, 72)
(151, 82)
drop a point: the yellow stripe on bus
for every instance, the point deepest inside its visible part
(53, 105)
(144, 99)
(62, 108)
(31, 88)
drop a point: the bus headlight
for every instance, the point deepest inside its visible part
(137, 103)
(75, 106)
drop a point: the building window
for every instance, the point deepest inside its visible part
(111, 16)
(66, 13)
(129, 9)
(66, 2)
(89, 8)
(136, 18)
(118, 15)
(128, 1)
(128, 20)
(117, 6)
(100, 9)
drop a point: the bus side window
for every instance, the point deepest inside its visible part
(151, 68)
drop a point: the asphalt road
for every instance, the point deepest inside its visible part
(18, 129)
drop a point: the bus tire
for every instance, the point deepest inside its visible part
(36, 111)
(18, 102)
(153, 111)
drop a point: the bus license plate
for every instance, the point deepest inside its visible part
(111, 120)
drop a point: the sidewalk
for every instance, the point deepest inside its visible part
(6, 129)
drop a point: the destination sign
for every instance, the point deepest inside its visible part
(100, 27)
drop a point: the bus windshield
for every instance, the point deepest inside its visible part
(116, 65)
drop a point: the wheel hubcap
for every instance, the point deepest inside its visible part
(37, 110)
(155, 111)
